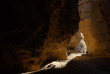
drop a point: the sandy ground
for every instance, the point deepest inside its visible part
(82, 65)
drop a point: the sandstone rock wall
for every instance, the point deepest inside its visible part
(63, 25)
(35, 32)
(94, 26)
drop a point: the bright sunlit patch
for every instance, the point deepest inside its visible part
(81, 47)
(57, 64)
(73, 55)
(61, 64)
(82, 35)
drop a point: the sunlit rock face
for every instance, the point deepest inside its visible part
(94, 25)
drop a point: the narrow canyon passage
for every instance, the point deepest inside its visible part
(59, 64)
(37, 33)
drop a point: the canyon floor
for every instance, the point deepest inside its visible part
(85, 64)
(82, 65)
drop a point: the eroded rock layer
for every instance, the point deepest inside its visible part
(94, 25)
(36, 32)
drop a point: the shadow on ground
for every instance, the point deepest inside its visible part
(82, 65)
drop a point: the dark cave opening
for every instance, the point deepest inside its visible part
(21, 18)
(29, 27)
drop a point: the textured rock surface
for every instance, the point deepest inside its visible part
(43, 28)
(34, 31)
(62, 27)
(94, 26)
